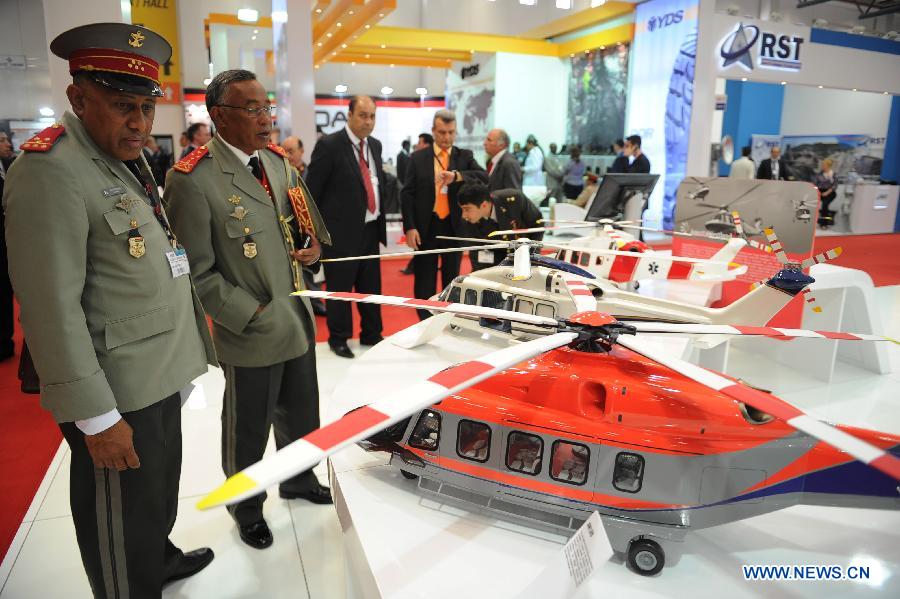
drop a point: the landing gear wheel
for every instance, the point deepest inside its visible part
(409, 475)
(646, 557)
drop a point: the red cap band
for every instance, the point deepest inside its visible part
(114, 61)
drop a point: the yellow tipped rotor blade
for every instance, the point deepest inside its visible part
(232, 487)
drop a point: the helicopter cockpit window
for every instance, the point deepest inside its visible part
(544, 310)
(523, 452)
(629, 472)
(473, 440)
(525, 306)
(569, 462)
(427, 433)
(471, 297)
(491, 299)
(453, 296)
(585, 259)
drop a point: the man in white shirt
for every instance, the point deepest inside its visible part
(743, 167)
(504, 171)
(346, 177)
(534, 163)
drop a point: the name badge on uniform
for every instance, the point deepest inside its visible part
(485, 256)
(178, 262)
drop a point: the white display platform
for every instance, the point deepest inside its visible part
(399, 544)
(873, 208)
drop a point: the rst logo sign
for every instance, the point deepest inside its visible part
(777, 51)
(660, 21)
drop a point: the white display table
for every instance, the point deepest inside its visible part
(874, 208)
(399, 544)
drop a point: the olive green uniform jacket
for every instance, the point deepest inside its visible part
(106, 330)
(216, 209)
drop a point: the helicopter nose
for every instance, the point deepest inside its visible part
(591, 318)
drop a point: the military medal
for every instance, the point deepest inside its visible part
(249, 247)
(136, 247)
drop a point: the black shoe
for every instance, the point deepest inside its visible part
(406, 271)
(257, 535)
(342, 350)
(319, 309)
(191, 563)
(318, 494)
(372, 341)
(7, 350)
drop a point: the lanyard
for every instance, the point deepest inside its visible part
(443, 166)
(139, 170)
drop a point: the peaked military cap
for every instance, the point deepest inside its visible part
(115, 55)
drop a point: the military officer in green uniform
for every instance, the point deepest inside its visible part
(485, 212)
(249, 225)
(108, 306)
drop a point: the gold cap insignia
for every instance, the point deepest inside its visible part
(137, 40)
(235, 199)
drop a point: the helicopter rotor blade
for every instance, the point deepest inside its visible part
(522, 263)
(724, 329)
(417, 252)
(434, 305)
(368, 420)
(770, 404)
(536, 230)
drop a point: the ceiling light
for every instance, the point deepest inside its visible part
(743, 78)
(381, 14)
(422, 91)
(207, 81)
(383, 46)
(367, 55)
(603, 47)
(253, 37)
(338, 24)
(343, 45)
(429, 49)
(392, 66)
(854, 89)
(784, 83)
(328, 34)
(564, 4)
(340, 88)
(319, 44)
(318, 11)
(256, 31)
(821, 86)
(387, 90)
(884, 93)
(368, 26)
(596, 3)
(46, 111)
(317, 66)
(248, 15)
(353, 64)
(527, 2)
(351, 12)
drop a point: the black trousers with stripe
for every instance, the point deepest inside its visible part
(425, 267)
(123, 519)
(284, 396)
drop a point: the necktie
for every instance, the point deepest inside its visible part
(366, 177)
(255, 168)
(441, 201)
(490, 165)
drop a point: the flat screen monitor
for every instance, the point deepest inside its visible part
(614, 191)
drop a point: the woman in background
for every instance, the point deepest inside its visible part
(573, 182)
(826, 183)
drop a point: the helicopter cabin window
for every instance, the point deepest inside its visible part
(544, 310)
(471, 297)
(523, 452)
(473, 440)
(524, 306)
(585, 259)
(573, 258)
(569, 462)
(629, 472)
(453, 296)
(598, 260)
(427, 433)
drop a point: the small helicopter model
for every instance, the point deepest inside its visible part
(603, 253)
(588, 417)
(577, 413)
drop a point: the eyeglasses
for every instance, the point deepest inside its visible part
(252, 112)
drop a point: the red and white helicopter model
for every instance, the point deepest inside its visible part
(577, 413)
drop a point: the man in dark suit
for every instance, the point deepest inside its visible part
(504, 171)
(621, 162)
(638, 162)
(346, 178)
(428, 201)
(774, 168)
(7, 346)
(403, 161)
(198, 135)
(485, 211)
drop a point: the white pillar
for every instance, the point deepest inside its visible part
(294, 83)
(59, 16)
(704, 93)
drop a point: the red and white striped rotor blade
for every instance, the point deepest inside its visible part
(776, 246)
(738, 227)
(360, 424)
(760, 245)
(770, 404)
(811, 301)
(823, 257)
(435, 305)
(581, 294)
(494, 245)
(724, 329)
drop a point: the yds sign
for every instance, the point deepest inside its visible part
(664, 20)
(773, 50)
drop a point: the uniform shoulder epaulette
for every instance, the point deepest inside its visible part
(43, 141)
(189, 162)
(278, 150)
